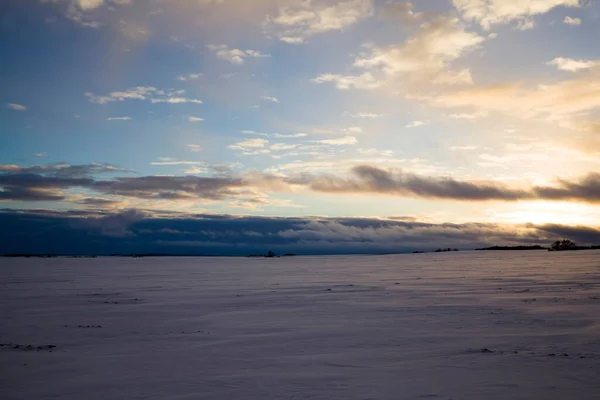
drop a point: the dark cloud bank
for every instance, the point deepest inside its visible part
(134, 231)
(48, 183)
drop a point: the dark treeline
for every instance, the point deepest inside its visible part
(536, 247)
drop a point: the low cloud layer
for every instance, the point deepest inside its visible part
(134, 231)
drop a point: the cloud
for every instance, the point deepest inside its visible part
(427, 54)
(295, 23)
(251, 146)
(282, 146)
(235, 56)
(342, 141)
(353, 129)
(171, 187)
(148, 93)
(194, 147)
(571, 65)
(494, 12)
(403, 12)
(102, 203)
(268, 98)
(561, 102)
(525, 24)
(63, 170)
(32, 187)
(48, 183)
(16, 107)
(572, 21)
(175, 162)
(376, 152)
(587, 189)
(344, 82)
(370, 179)
(119, 119)
(196, 170)
(40, 154)
(189, 77)
(423, 58)
(366, 115)
(176, 100)
(249, 143)
(476, 115)
(195, 119)
(289, 135)
(88, 4)
(251, 132)
(85, 12)
(415, 124)
(101, 232)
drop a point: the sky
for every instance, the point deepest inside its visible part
(318, 126)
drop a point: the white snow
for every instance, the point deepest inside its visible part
(391, 327)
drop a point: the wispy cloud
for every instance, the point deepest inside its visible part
(295, 23)
(366, 115)
(464, 148)
(16, 107)
(572, 21)
(195, 119)
(345, 82)
(425, 58)
(494, 12)
(476, 115)
(249, 143)
(194, 147)
(415, 124)
(376, 152)
(562, 103)
(235, 56)
(178, 163)
(289, 135)
(269, 98)
(571, 65)
(148, 93)
(282, 146)
(251, 146)
(119, 119)
(346, 140)
(353, 129)
(189, 77)
(275, 135)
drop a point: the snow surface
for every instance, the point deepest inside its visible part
(340, 327)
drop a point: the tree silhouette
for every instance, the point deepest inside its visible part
(564, 244)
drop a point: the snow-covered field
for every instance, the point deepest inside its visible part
(343, 327)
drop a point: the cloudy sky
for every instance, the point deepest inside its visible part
(349, 119)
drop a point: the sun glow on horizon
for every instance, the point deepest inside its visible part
(547, 212)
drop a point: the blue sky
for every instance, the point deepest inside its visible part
(445, 110)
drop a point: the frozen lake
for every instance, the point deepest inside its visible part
(339, 327)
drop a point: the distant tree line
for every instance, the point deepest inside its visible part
(445, 250)
(559, 245)
(536, 247)
(566, 245)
